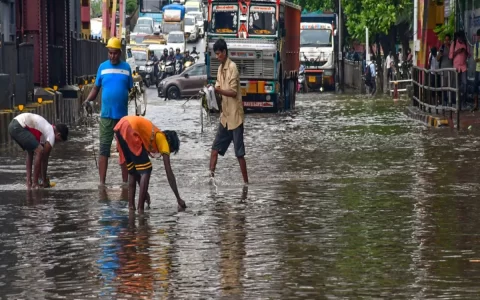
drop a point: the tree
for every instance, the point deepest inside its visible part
(131, 6)
(96, 8)
(313, 5)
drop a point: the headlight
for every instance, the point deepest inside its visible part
(149, 69)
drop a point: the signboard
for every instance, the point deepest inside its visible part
(307, 26)
(172, 15)
(225, 8)
(263, 9)
(257, 104)
(446, 5)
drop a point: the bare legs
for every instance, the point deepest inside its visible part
(103, 166)
(143, 181)
(241, 162)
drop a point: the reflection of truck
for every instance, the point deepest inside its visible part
(173, 16)
(317, 53)
(262, 39)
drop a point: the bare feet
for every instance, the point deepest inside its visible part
(181, 205)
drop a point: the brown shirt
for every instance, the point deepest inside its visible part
(232, 108)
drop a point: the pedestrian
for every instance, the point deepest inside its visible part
(444, 62)
(36, 136)
(114, 77)
(459, 54)
(434, 76)
(389, 63)
(477, 71)
(137, 138)
(232, 117)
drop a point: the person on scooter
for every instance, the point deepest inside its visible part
(164, 56)
(188, 57)
(171, 55)
(179, 56)
(154, 58)
(194, 51)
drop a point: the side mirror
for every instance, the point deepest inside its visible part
(205, 25)
(186, 75)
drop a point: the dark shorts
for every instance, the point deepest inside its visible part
(135, 164)
(24, 138)
(477, 82)
(224, 137)
(106, 135)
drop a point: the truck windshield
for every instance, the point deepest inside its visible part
(262, 20)
(169, 27)
(316, 38)
(224, 19)
(175, 38)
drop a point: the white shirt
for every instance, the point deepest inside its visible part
(433, 62)
(388, 61)
(37, 122)
(373, 70)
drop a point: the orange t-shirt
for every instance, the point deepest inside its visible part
(137, 132)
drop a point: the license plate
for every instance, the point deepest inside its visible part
(311, 79)
(244, 92)
(142, 68)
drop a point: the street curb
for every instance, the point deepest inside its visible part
(427, 119)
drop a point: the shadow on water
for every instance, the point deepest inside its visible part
(348, 199)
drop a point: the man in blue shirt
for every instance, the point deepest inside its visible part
(115, 78)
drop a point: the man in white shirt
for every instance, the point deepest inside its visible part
(35, 135)
(388, 63)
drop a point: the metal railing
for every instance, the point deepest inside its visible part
(353, 72)
(434, 90)
(401, 86)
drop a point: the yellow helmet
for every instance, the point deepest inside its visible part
(114, 43)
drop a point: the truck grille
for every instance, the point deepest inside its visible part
(248, 68)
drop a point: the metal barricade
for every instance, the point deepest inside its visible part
(434, 91)
(353, 73)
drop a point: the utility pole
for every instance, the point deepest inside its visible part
(340, 46)
(415, 29)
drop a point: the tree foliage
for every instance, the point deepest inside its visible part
(314, 5)
(131, 6)
(378, 16)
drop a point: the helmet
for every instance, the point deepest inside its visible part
(114, 43)
(170, 51)
(187, 52)
(165, 51)
(194, 48)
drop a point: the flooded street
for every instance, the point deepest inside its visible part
(349, 199)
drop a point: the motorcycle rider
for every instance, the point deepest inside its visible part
(154, 58)
(188, 57)
(194, 51)
(171, 55)
(164, 56)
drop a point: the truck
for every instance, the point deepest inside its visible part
(173, 19)
(153, 9)
(263, 40)
(317, 50)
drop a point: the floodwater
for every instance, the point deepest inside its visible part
(349, 199)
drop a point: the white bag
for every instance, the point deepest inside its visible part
(211, 99)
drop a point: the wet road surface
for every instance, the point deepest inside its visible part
(348, 199)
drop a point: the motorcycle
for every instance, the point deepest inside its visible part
(195, 56)
(150, 76)
(188, 64)
(301, 80)
(169, 69)
(178, 67)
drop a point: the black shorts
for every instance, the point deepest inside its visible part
(24, 138)
(224, 137)
(135, 164)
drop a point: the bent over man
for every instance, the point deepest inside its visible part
(35, 135)
(137, 138)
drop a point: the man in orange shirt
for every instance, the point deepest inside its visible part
(137, 139)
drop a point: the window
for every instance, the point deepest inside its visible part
(224, 19)
(197, 71)
(316, 38)
(190, 21)
(262, 20)
(175, 38)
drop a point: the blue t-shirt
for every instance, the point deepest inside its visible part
(115, 81)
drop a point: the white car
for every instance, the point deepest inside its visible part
(147, 21)
(199, 17)
(191, 28)
(176, 39)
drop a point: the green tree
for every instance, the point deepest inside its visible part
(131, 6)
(314, 5)
(96, 8)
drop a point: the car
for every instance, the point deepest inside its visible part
(176, 39)
(147, 21)
(199, 17)
(139, 33)
(186, 84)
(191, 28)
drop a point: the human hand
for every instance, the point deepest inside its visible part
(181, 205)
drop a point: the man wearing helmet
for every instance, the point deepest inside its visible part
(165, 55)
(194, 50)
(171, 55)
(114, 77)
(188, 57)
(178, 55)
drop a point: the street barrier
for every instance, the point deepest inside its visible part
(353, 75)
(436, 91)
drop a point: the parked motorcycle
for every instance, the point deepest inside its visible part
(150, 76)
(301, 80)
